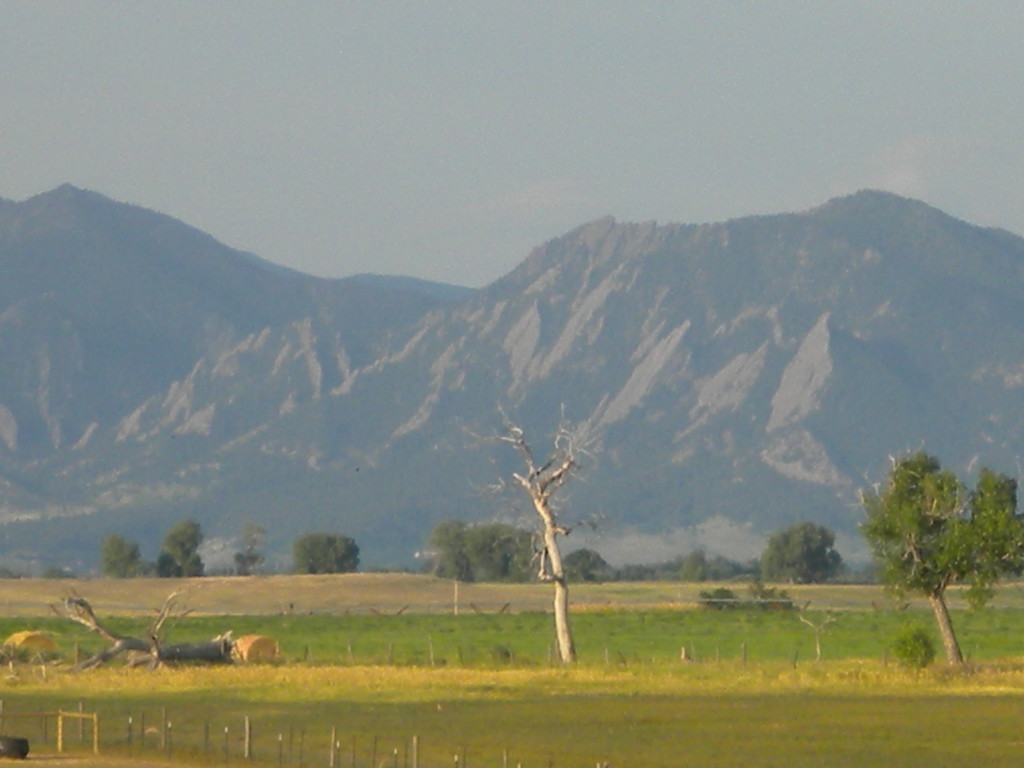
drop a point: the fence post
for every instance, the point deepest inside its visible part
(95, 733)
(247, 749)
(60, 731)
(334, 748)
(415, 752)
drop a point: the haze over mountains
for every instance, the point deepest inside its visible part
(735, 378)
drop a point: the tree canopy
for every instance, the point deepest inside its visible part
(803, 554)
(587, 565)
(484, 552)
(927, 531)
(120, 558)
(179, 555)
(250, 556)
(325, 553)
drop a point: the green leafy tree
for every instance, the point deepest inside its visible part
(447, 545)
(485, 552)
(120, 558)
(499, 552)
(694, 567)
(250, 557)
(179, 554)
(587, 565)
(325, 553)
(927, 532)
(803, 554)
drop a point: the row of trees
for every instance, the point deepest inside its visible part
(179, 554)
(802, 554)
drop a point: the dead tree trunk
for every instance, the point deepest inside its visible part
(151, 652)
(541, 483)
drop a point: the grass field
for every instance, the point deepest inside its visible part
(383, 659)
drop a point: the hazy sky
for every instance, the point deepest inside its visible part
(445, 140)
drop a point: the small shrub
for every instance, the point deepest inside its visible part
(913, 647)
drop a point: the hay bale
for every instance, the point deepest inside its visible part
(254, 649)
(31, 641)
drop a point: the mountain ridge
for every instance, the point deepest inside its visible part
(738, 376)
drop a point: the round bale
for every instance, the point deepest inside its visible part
(254, 649)
(32, 642)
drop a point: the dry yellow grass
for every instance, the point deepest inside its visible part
(399, 592)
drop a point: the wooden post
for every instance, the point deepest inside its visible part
(81, 722)
(334, 748)
(60, 731)
(743, 652)
(95, 733)
(430, 647)
(415, 752)
(247, 748)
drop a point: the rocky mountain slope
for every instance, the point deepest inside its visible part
(733, 378)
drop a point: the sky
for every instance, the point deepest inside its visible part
(446, 140)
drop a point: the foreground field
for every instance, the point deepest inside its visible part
(840, 714)
(479, 688)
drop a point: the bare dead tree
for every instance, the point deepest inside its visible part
(151, 651)
(541, 481)
(819, 627)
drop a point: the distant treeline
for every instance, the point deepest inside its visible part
(803, 553)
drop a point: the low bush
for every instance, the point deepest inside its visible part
(913, 647)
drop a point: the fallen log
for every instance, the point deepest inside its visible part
(151, 652)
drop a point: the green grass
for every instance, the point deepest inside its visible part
(492, 693)
(837, 714)
(602, 637)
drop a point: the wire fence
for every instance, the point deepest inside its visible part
(237, 740)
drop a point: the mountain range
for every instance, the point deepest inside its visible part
(731, 379)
